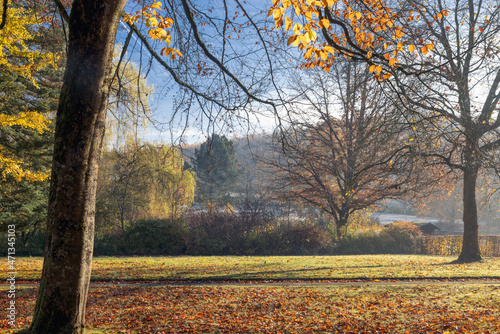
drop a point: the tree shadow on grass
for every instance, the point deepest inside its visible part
(246, 275)
(457, 261)
(273, 273)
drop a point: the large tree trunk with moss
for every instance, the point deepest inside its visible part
(80, 124)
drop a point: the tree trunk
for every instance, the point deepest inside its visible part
(470, 246)
(342, 221)
(80, 123)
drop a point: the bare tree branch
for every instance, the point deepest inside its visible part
(62, 10)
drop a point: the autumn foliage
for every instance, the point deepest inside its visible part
(19, 58)
(368, 30)
(157, 26)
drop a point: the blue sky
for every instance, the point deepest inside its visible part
(197, 128)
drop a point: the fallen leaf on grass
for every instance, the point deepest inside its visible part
(287, 309)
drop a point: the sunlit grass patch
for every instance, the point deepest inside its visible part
(272, 267)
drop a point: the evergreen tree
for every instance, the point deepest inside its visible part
(23, 200)
(216, 169)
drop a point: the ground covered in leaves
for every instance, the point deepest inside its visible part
(293, 305)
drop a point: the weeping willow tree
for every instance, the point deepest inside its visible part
(129, 109)
(145, 181)
(136, 179)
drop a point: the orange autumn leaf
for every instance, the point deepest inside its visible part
(362, 30)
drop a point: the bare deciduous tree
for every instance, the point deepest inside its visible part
(456, 94)
(347, 147)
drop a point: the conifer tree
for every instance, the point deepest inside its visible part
(216, 169)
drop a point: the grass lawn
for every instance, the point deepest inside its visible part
(273, 267)
(291, 307)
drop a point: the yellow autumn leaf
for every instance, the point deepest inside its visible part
(304, 40)
(157, 5)
(323, 54)
(288, 23)
(398, 33)
(311, 35)
(324, 23)
(308, 54)
(151, 22)
(329, 49)
(278, 13)
(297, 28)
(411, 48)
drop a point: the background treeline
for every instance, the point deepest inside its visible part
(217, 198)
(229, 233)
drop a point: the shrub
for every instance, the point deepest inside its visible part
(360, 221)
(306, 239)
(32, 244)
(372, 241)
(153, 237)
(216, 233)
(35, 245)
(396, 238)
(107, 245)
(288, 239)
(405, 236)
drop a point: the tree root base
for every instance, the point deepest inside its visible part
(468, 258)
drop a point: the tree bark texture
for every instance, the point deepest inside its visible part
(80, 125)
(470, 244)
